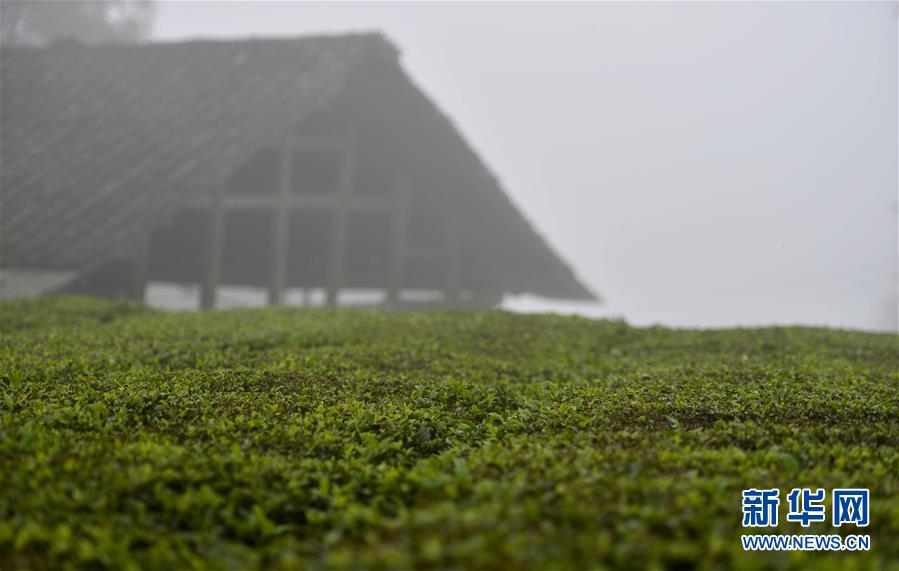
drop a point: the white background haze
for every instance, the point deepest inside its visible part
(698, 164)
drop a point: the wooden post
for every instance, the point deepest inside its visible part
(486, 299)
(337, 253)
(280, 213)
(398, 247)
(216, 235)
(452, 284)
(140, 267)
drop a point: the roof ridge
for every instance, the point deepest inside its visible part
(375, 40)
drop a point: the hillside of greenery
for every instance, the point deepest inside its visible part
(307, 438)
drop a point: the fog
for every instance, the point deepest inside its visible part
(698, 164)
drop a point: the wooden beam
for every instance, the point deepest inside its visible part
(423, 252)
(280, 212)
(324, 201)
(214, 261)
(400, 220)
(338, 243)
(318, 143)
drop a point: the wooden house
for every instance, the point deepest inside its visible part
(278, 163)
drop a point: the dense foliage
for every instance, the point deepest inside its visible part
(27, 22)
(284, 438)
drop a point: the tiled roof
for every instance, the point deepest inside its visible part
(96, 139)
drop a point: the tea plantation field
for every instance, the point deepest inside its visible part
(300, 438)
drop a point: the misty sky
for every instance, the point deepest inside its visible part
(698, 164)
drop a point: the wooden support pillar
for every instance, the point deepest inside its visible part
(452, 284)
(280, 215)
(338, 243)
(214, 261)
(140, 268)
(486, 299)
(398, 247)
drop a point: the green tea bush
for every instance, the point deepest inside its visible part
(299, 438)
